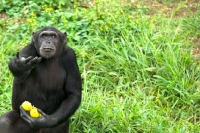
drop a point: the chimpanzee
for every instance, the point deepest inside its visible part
(47, 75)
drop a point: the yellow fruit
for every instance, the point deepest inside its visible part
(34, 113)
(27, 106)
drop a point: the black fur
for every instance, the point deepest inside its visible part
(50, 80)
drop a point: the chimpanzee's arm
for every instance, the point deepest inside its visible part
(25, 60)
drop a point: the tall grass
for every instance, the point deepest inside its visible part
(138, 72)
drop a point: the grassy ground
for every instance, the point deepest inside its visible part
(139, 61)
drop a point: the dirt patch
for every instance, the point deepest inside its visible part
(196, 53)
(196, 49)
(3, 15)
(21, 21)
(180, 11)
(87, 3)
(172, 9)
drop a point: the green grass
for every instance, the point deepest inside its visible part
(138, 71)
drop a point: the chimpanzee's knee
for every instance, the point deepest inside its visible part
(5, 124)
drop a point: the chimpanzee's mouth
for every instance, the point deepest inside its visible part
(47, 49)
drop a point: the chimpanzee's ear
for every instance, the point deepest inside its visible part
(34, 35)
(17, 55)
(65, 33)
(65, 37)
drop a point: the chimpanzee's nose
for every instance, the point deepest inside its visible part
(47, 41)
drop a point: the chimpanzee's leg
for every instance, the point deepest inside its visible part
(11, 122)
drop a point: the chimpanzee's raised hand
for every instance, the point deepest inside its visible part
(27, 63)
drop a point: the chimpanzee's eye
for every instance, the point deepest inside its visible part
(53, 36)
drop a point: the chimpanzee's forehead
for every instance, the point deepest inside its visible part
(48, 32)
(49, 28)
